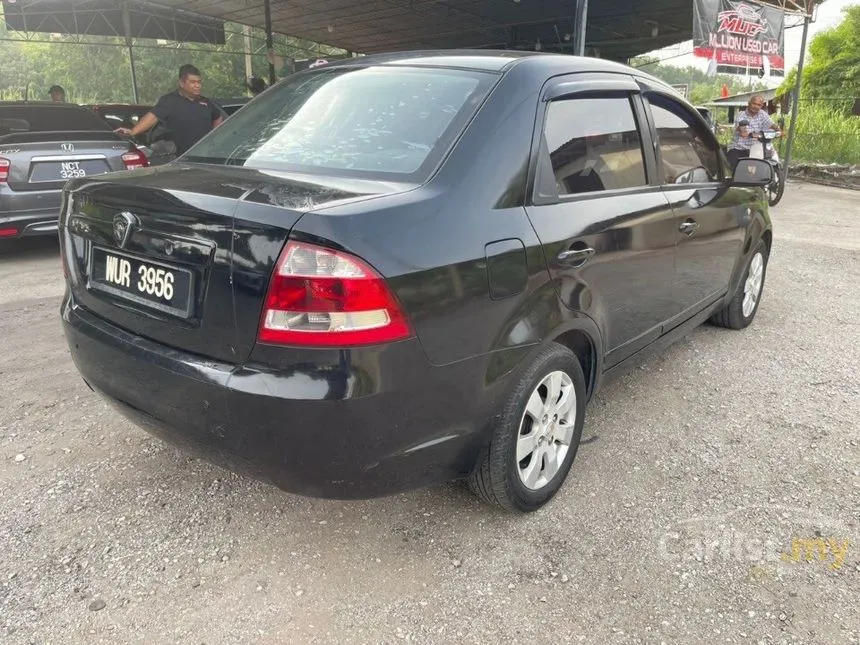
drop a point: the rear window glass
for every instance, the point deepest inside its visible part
(47, 118)
(119, 116)
(376, 121)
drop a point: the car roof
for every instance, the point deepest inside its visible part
(25, 103)
(498, 60)
(114, 106)
(51, 105)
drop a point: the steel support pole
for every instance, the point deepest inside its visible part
(126, 25)
(580, 21)
(249, 67)
(795, 104)
(270, 42)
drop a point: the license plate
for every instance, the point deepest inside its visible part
(63, 170)
(155, 285)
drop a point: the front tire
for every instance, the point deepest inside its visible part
(535, 442)
(742, 308)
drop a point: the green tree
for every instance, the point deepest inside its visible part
(702, 88)
(833, 67)
(101, 73)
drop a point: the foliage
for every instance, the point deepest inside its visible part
(702, 88)
(833, 68)
(826, 133)
(101, 73)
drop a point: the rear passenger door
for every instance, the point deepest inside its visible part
(608, 234)
(709, 213)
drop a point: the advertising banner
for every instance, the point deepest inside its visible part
(740, 36)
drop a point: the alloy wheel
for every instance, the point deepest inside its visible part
(546, 430)
(752, 286)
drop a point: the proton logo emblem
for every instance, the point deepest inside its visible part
(67, 147)
(123, 227)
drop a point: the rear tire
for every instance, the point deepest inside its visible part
(776, 188)
(742, 308)
(535, 442)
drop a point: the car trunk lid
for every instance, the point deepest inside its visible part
(125, 234)
(47, 160)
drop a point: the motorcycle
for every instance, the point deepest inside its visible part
(763, 149)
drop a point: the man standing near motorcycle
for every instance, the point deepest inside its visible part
(757, 121)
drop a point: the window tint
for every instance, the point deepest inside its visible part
(121, 119)
(594, 145)
(48, 118)
(687, 153)
(356, 121)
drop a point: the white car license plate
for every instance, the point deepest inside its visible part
(153, 284)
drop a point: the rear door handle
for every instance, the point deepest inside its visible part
(688, 227)
(575, 257)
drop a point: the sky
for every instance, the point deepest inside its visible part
(829, 14)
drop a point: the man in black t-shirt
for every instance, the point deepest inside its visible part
(189, 115)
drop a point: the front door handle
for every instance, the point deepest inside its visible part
(575, 257)
(689, 227)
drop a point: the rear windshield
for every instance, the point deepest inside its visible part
(374, 121)
(47, 118)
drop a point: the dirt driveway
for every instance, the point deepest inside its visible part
(716, 499)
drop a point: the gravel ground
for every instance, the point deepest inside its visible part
(701, 468)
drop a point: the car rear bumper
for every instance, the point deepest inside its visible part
(30, 212)
(303, 431)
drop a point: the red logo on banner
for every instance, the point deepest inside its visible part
(742, 19)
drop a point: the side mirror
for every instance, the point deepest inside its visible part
(752, 172)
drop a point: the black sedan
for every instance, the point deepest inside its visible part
(397, 270)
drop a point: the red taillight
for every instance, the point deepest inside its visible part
(8, 232)
(326, 298)
(135, 159)
(5, 164)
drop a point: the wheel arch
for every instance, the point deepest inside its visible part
(547, 320)
(767, 237)
(585, 348)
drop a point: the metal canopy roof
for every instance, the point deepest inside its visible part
(616, 29)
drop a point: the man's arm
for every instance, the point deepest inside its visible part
(771, 124)
(217, 115)
(146, 123)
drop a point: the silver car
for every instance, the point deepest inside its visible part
(42, 145)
